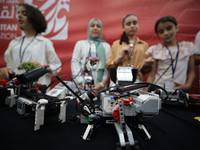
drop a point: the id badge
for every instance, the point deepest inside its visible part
(124, 74)
(169, 85)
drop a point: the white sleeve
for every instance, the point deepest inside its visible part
(52, 58)
(150, 50)
(76, 66)
(197, 43)
(8, 55)
(107, 51)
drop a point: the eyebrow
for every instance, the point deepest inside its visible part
(22, 10)
(132, 21)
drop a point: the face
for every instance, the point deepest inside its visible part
(167, 32)
(95, 29)
(22, 18)
(131, 26)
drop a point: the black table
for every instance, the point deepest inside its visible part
(174, 128)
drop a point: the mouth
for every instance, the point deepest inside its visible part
(20, 21)
(95, 32)
(167, 38)
(132, 31)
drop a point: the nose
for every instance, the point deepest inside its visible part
(132, 25)
(19, 14)
(95, 27)
(165, 32)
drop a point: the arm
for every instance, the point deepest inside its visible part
(197, 49)
(109, 61)
(197, 59)
(149, 61)
(100, 85)
(114, 59)
(52, 58)
(152, 73)
(190, 76)
(104, 80)
(4, 73)
(76, 65)
(125, 51)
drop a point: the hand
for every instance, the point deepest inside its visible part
(4, 73)
(126, 50)
(97, 87)
(37, 63)
(149, 60)
(180, 86)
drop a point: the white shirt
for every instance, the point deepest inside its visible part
(160, 53)
(80, 53)
(40, 49)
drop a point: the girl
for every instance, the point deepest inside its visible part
(31, 47)
(82, 51)
(129, 50)
(174, 61)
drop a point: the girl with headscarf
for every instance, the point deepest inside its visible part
(81, 56)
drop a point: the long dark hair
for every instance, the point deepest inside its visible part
(35, 17)
(124, 37)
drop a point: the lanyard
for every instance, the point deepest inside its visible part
(21, 54)
(97, 44)
(176, 60)
(96, 47)
(132, 51)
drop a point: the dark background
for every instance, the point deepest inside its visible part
(174, 128)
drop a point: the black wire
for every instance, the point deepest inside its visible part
(62, 63)
(65, 61)
(159, 87)
(54, 81)
(75, 84)
(151, 84)
(64, 75)
(164, 72)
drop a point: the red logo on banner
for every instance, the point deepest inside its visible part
(55, 13)
(8, 26)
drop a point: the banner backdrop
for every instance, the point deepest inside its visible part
(68, 20)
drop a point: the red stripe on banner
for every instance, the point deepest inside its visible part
(68, 20)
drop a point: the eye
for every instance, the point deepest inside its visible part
(128, 23)
(98, 26)
(135, 22)
(24, 13)
(92, 25)
(169, 27)
(160, 31)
